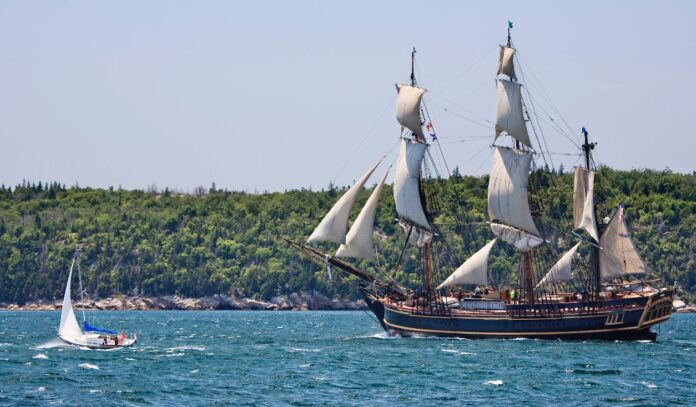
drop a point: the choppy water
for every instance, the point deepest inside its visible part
(331, 358)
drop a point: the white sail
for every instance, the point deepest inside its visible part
(583, 203)
(407, 183)
(505, 64)
(334, 225)
(507, 191)
(509, 117)
(522, 240)
(408, 108)
(618, 255)
(560, 272)
(68, 328)
(359, 239)
(473, 271)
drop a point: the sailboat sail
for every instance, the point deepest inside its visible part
(334, 225)
(560, 272)
(509, 116)
(583, 203)
(508, 205)
(473, 271)
(618, 255)
(505, 63)
(408, 108)
(359, 239)
(68, 328)
(407, 183)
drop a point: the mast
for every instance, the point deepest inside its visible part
(413, 67)
(79, 275)
(596, 281)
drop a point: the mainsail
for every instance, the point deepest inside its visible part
(334, 225)
(473, 271)
(359, 239)
(408, 108)
(508, 205)
(618, 255)
(560, 272)
(407, 183)
(68, 328)
(583, 203)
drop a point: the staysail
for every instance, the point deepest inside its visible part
(560, 272)
(618, 254)
(473, 271)
(407, 183)
(408, 108)
(509, 116)
(583, 203)
(508, 205)
(359, 238)
(68, 328)
(334, 225)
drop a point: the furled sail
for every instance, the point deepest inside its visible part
(407, 183)
(505, 64)
(560, 272)
(473, 271)
(408, 108)
(359, 239)
(508, 205)
(618, 255)
(334, 225)
(68, 328)
(509, 116)
(583, 204)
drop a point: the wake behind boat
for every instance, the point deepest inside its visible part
(88, 336)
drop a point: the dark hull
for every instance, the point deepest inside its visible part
(613, 320)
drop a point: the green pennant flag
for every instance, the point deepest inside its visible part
(509, 24)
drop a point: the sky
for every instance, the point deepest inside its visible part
(277, 95)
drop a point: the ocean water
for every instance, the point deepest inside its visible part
(331, 358)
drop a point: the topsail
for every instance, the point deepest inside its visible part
(333, 227)
(505, 63)
(408, 108)
(583, 204)
(407, 183)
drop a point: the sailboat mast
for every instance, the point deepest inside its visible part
(413, 67)
(79, 275)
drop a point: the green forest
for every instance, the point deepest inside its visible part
(160, 242)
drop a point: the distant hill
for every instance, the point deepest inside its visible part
(160, 243)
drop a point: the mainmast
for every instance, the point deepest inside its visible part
(596, 281)
(78, 248)
(413, 67)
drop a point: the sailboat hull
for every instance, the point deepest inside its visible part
(96, 342)
(622, 320)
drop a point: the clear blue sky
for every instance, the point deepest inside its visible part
(274, 95)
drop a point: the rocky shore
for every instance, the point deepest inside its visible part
(295, 301)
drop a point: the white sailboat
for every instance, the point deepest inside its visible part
(70, 332)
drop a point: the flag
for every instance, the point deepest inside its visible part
(429, 126)
(509, 24)
(621, 211)
(584, 131)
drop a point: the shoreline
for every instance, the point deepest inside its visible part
(292, 302)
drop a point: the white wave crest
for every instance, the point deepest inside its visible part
(494, 382)
(88, 366)
(40, 356)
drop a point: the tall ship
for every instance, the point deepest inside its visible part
(576, 274)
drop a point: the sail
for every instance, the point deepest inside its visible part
(68, 328)
(509, 117)
(408, 108)
(618, 255)
(505, 64)
(333, 227)
(522, 240)
(407, 183)
(473, 271)
(583, 203)
(507, 191)
(359, 239)
(560, 271)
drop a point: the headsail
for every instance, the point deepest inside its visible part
(560, 272)
(407, 183)
(473, 271)
(505, 63)
(334, 225)
(618, 255)
(408, 108)
(359, 239)
(509, 116)
(68, 328)
(508, 205)
(583, 204)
